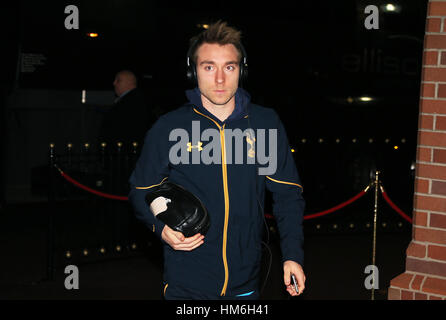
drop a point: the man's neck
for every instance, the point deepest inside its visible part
(126, 91)
(221, 112)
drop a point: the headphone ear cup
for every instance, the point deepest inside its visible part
(244, 76)
(191, 72)
(243, 72)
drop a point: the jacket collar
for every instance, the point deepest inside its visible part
(242, 101)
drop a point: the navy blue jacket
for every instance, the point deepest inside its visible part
(228, 262)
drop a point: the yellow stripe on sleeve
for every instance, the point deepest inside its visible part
(285, 182)
(155, 185)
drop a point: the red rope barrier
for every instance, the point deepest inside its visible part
(115, 197)
(306, 217)
(335, 208)
(394, 206)
(338, 207)
(123, 198)
(99, 193)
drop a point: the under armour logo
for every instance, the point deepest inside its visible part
(198, 146)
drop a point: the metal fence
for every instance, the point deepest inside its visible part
(89, 218)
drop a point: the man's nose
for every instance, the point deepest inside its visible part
(220, 76)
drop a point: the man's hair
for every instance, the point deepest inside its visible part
(218, 32)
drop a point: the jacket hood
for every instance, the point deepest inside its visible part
(242, 101)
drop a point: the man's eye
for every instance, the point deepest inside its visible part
(208, 68)
(230, 68)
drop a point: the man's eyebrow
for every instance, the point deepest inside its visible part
(212, 62)
(207, 62)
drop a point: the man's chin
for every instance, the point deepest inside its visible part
(219, 101)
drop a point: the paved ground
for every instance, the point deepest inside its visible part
(334, 266)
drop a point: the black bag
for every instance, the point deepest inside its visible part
(185, 212)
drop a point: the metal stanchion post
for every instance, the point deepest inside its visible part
(51, 203)
(375, 216)
(102, 208)
(116, 208)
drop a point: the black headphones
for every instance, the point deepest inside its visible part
(192, 68)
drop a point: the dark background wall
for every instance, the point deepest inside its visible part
(314, 62)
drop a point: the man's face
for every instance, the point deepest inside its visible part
(218, 72)
(119, 84)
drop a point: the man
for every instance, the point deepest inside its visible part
(129, 118)
(226, 262)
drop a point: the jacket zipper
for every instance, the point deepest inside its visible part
(226, 196)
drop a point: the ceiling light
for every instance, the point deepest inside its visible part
(390, 7)
(365, 98)
(203, 26)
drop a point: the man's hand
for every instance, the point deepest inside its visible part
(179, 242)
(291, 267)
